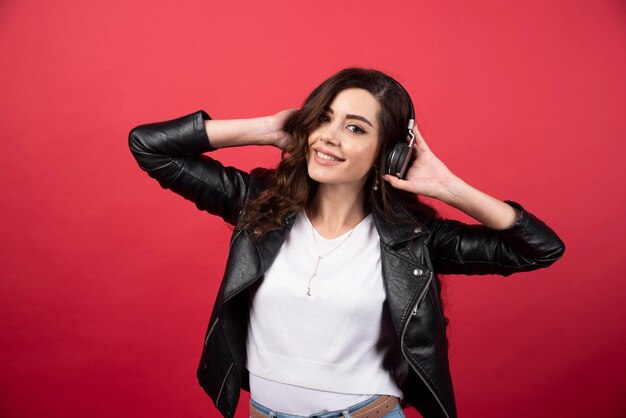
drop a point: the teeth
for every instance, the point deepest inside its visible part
(326, 157)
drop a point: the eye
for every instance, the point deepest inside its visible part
(323, 118)
(357, 130)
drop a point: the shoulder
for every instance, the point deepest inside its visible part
(261, 178)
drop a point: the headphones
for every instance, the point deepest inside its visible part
(399, 154)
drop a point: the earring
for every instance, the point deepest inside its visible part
(375, 179)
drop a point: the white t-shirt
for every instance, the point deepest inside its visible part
(334, 348)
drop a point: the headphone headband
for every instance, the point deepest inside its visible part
(411, 123)
(399, 155)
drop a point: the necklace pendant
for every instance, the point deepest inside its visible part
(319, 257)
(308, 291)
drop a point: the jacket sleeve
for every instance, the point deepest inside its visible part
(528, 244)
(172, 153)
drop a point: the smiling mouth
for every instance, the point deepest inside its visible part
(327, 157)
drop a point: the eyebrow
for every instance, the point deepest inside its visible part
(350, 116)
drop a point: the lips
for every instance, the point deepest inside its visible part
(326, 155)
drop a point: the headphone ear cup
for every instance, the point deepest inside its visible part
(396, 156)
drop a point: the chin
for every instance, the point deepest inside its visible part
(321, 177)
(315, 176)
(328, 179)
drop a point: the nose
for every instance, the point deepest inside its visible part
(329, 135)
(328, 140)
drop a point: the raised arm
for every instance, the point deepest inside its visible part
(509, 238)
(266, 130)
(172, 153)
(528, 244)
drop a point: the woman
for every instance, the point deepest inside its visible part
(330, 303)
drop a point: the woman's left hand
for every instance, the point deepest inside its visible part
(427, 175)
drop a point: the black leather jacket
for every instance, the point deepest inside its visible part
(172, 153)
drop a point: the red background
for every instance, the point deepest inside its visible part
(108, 280)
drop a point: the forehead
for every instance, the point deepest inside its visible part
(356, 101)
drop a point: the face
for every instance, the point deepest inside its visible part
(344, 145)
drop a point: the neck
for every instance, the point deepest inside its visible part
(336, 209)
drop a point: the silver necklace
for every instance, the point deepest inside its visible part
(319, 257)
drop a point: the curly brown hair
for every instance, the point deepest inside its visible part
(291, 187)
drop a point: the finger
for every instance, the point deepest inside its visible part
(397, 183)
(416, 131)
(420, 141)
(421, 144)
(417, 150)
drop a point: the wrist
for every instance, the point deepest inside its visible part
(265, 131)
(255, 131)
(454, 190)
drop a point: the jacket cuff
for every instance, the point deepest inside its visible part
(200, 133)
(531, 231)
(186, 134)
(520, 219)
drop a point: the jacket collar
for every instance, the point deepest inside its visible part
(393, 233)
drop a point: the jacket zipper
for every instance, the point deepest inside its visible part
(419, 299)
(223, 383)
(213, 327)
(206, 340)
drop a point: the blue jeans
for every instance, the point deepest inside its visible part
(340, 413)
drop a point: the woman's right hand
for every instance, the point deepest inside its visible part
(282, 138)
(263, 130)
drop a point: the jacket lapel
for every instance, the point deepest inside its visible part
(405, 270)
(248, 259)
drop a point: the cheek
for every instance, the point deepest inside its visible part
(368, 153)
(309, 143)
